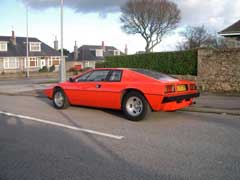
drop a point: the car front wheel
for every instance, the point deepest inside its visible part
(60, 100)
(135, 106)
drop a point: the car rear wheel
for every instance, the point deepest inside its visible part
(135, 106)
(60, 100)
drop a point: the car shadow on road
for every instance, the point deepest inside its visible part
(117, 113)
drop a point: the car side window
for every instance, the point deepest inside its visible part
(98, 75)
(83, 77)
(115, 76)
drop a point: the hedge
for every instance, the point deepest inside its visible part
(179, 63)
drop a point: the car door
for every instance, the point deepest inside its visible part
(107, 93)
(90, 89)
(75, 90)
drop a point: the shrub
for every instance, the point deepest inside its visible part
(44, 69)
(181, 62)
(52, 68)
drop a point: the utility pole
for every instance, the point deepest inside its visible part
(62, 70)
(27, 46)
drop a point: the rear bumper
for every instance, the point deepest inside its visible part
(180, 98)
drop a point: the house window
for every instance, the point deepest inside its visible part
(33, 62)
(87, 64)
(92, 64)
(35, 46)
(3, 46)
(10, 63)
(99, 53)
(116, 53)
(55, 60)
(49, 62)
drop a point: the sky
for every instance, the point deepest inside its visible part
(89, 22)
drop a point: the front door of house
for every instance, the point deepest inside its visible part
(43, 63)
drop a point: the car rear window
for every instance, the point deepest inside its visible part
(155, 74)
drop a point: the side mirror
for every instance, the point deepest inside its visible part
(71, 79)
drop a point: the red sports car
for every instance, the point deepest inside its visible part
(134, 91)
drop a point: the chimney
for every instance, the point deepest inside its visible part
(103, 45)
(126, 50)
(56, 43)
(13, 38)
(75, 51)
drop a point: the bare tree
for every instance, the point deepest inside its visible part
(198, 36)
(152, 19)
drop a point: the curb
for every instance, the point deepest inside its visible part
(24, 94)
(212, 110)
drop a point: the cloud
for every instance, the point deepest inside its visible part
(215, 14)
(83, 6)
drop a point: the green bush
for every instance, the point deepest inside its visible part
(44, 69)
(52, 68)
(181, 62)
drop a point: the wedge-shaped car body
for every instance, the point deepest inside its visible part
(134, 91)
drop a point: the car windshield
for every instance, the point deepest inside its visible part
(155, 75)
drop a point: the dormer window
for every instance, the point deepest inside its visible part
(99, 52)
(3, 46)
(35, 46)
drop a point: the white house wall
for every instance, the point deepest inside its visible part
(22, 64)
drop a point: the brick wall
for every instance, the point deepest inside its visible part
(219, 70)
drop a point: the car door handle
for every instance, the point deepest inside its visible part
(98, 86)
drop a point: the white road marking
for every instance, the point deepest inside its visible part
(63, 125)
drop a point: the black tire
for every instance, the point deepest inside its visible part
(65, 103)
(128, 111)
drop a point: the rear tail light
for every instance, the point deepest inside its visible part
(169, 88)
(193, 87)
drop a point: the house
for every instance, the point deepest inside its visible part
(88, 55)
(232, 35)
(13, 54)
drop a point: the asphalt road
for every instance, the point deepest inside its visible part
(49, 144)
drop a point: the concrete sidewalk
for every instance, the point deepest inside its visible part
(207, 102)
(216, 103)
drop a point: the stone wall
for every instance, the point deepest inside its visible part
(219, 70)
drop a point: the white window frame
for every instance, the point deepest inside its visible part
(50, 62)
(34, 59)
(35, 44)
(55, 58)
(3, 46)
(92, 64)
(99, 52)
(86, 64)
(116, 53)
(6, 63)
